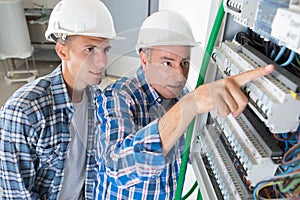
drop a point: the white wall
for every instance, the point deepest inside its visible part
(128, 16)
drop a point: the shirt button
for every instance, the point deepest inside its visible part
(159, 100)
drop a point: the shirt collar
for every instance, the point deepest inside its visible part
(61, 98)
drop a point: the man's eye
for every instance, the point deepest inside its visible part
(185, 63)
(89, 49)
(107, 49)
(167, 63)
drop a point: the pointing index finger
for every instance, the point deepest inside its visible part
(245, 77)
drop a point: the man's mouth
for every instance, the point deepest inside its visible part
(96, 73)
(176, 85)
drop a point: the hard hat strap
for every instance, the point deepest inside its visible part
(53, 37)
(56, 36)
(64, 37)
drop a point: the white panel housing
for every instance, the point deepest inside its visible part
(286, 28)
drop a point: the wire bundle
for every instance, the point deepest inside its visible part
(286, 184)
(280, 54)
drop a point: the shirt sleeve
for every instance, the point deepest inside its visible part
(130, 152)
(16, 169)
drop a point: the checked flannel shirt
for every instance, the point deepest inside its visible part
(34, 139)
(130, 163)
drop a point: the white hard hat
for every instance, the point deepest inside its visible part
(80, 17)
(165, 27)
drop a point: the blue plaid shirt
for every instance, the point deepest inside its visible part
(129, 153)
(34, 128)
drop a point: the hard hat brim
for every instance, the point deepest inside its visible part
(167, 43)
(47, 35)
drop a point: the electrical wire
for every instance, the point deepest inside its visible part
(290, 169)
(286, 183)
(293, 152)
(234, 37)
(298, 59)
(274, 50)
(243, 38)
(254, 37)
(268, 48)
(277, 136)
(199, 196)
(292, 155)
(288, 139)
(267, 193)
(272, 53)
(290, 59)
(288, 186)
(195, 185)
(282, 50)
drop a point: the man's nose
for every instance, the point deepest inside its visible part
(178, 68)
(100, 58)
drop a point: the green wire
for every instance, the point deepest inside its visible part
(185, 157)
(205, 62)
(293, 183)
(199, 196)
(298, 59)
(190, 191)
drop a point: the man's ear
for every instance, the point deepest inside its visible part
(143, 58)
(62, 51)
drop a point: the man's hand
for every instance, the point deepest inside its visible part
(225, 95)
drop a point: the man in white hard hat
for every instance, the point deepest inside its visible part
(47, 127)
(144, 117)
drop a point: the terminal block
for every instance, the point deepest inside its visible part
(222, 175)
(273, 102)
(234, 158)
(242, 10)
(245, 149)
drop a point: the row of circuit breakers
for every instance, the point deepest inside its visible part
(242, 151)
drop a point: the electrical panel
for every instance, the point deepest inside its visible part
(255, 155)
(242, 10)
